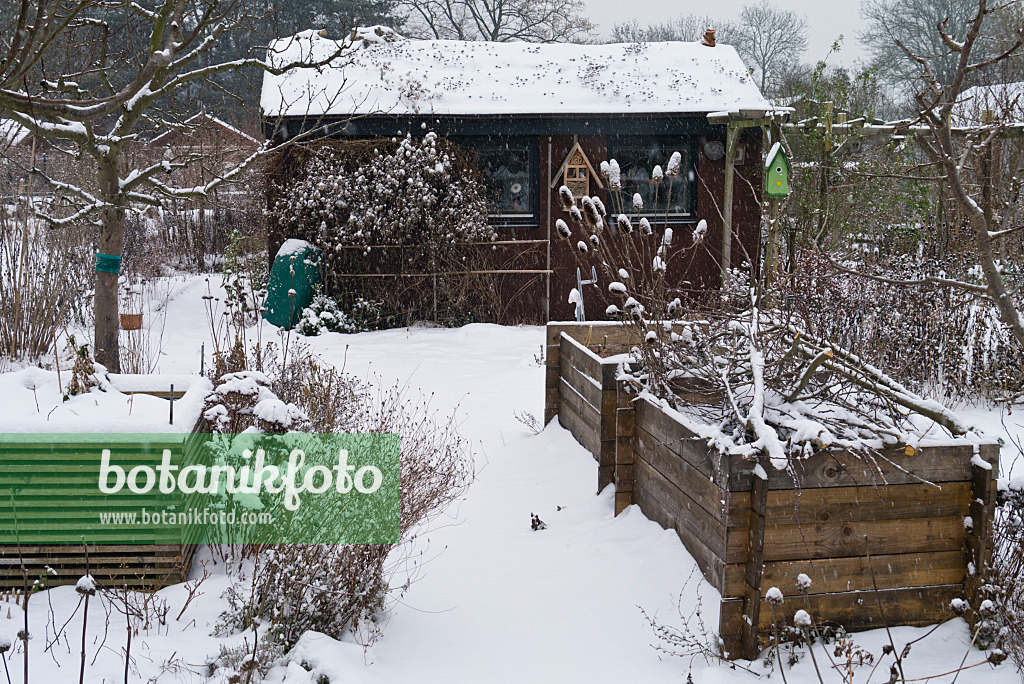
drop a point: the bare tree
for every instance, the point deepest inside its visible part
(770, 40)
(977, 198)
(911, 23)
(535, 21)
(963, 158)
(65, 77)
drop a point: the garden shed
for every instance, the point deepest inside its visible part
(541, 116)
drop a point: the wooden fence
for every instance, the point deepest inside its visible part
(885, 542)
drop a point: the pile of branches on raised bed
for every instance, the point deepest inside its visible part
(747, 375)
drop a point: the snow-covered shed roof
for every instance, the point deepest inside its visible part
(1006, 100)
(383, 73)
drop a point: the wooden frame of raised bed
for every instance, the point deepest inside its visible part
(148, 564)
(886, 543)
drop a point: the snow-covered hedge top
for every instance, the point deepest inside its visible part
(381, 72)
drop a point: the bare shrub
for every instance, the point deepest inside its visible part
(746, 372)
(194, 237)
(1001, 619)
(44, 276)
(954, 347)
(334, 588)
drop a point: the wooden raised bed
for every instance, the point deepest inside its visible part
(884, 544)
(153, 561)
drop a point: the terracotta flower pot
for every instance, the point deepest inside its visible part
(131, 321)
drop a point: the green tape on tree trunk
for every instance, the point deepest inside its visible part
(108, 263)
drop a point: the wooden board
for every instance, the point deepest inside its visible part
(675, 437)
(710, 563)
(841, 469)
(856, 538)
(857, 611)
(695, 484)
(836, 575)
(847, 504)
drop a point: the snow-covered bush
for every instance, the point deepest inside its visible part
(245, 400)
(335, 588)
(324, 315)
(1001, 618)
(394, 218)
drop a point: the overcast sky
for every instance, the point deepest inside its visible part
(826, 20)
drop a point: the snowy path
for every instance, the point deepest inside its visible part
(502, 602)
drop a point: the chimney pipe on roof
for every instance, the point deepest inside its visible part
(709, 37)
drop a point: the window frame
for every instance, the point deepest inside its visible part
(529, 145)
(687, 145)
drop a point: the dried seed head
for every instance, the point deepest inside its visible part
(590, 213)
(563, 228)
(645, 227)
(582, 247)
(675, 165)
(86, 586)
(566, 197)
(625, 225)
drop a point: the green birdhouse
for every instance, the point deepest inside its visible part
(776, 172)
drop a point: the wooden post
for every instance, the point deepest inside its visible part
(826, 160)
(625, 416)
(553, 372)
(979, 536)
(732, 134)
(755, 567)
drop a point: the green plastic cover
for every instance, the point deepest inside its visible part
(294, 278)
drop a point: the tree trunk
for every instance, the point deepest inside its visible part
(111, 242)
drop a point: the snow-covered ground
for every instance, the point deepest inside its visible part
(498, 601)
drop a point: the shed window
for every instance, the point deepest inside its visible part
(637, 160)
(509, 170)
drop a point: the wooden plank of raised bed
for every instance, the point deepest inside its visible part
(683, 475)
(585, 386)
(694, 516)
(675, 437)
(855, 538)
(580, 358)
(624, 446)
(838, 504)
(835, 575)
(855, 610)
(710, 564)
(753, 575)
(842, 469)
(574, 403)
(585, 434)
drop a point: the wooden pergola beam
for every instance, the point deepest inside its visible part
(735, 122)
